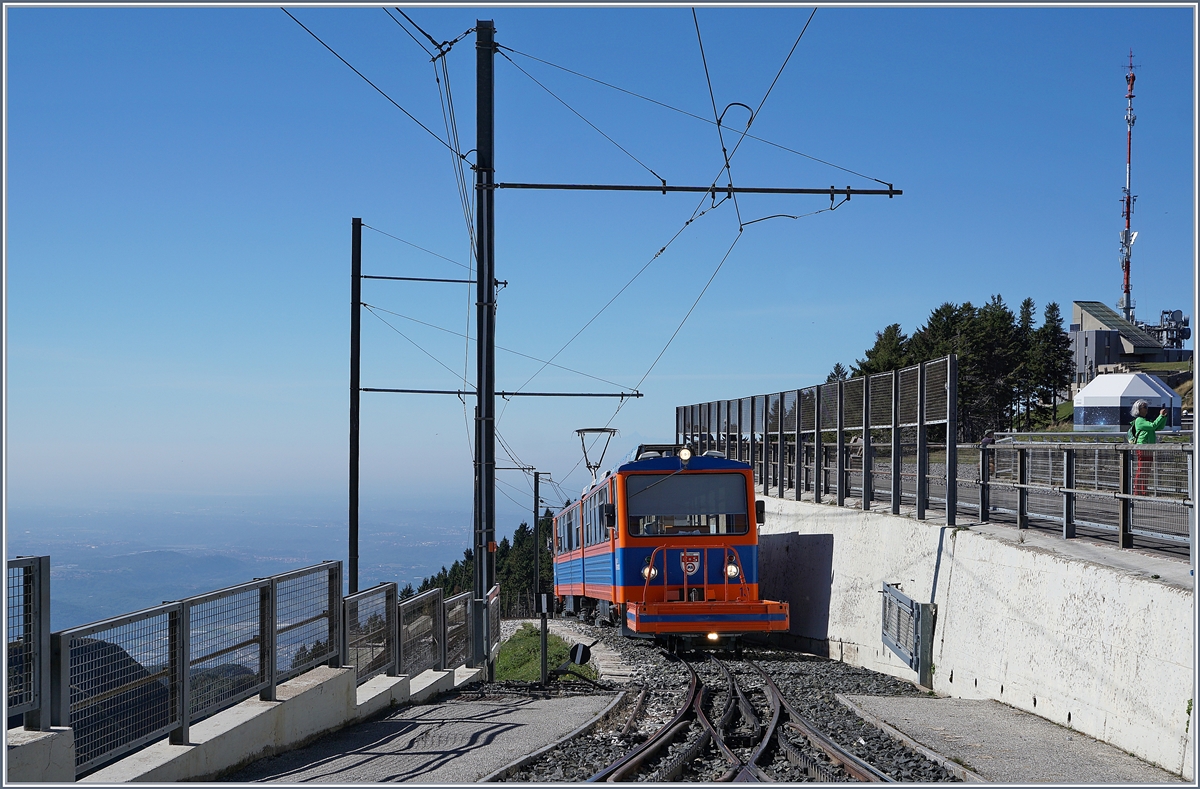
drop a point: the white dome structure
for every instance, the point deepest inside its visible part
(1103, 405)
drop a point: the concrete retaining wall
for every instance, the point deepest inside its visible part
(1106, 651)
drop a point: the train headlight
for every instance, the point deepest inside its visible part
(732, 570)
(714, 637)
(649, 572)
(685, 454)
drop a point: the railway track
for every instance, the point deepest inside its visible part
(721, 716)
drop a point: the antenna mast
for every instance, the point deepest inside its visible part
(1127, 236)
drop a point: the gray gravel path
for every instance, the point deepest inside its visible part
(1005, 745)
(458, 740)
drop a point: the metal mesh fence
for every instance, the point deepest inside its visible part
(881, 400)
(370, 622)
(789, 411)
(458, 627)
(306, 633)
(227, 660)
(909, 379)
(852, 403)
(421, 632)
(808, 416)
(936, 392)
(829, 406)
(120, 690)
(22, 661)
(493, 608)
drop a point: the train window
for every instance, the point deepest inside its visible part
(677, 504)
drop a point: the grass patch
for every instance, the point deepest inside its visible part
(520, 657)
(1162, 367)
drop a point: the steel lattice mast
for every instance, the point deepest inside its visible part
(1127, 236)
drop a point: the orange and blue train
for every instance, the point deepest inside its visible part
(665, 545)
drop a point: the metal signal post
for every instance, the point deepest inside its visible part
(1127, 236)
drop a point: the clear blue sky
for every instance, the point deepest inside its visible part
(180, 184)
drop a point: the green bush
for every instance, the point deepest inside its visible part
(520, 657)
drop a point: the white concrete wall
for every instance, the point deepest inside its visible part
(40, 756)
(1112, 648)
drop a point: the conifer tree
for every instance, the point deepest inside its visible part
(888, 353)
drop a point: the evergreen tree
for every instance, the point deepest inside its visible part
(838, 373)
(1025, 374)
(1054, 362)
(986, 368)
(941, 334)
(888, 353)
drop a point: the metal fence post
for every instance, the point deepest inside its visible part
(1125, 510)
(752, 447)
(841, 444)
(868, 485)
(39, 719)
(180, 632)
(818, 448)
(266, 638)
(1022, 488)
(798, 466)
(896, 456)
(951, 439)
(779, 460)
(60, 680)
(1069, 493)
(392, 603)
(337, 628)
(985, 499)
(922, 446)
(1191, 496)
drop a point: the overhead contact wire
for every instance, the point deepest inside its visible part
(717, 117)
(369, 82)
(582, 118)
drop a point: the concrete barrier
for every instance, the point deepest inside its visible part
(40, 756)
(316, 703)
(1105, 650)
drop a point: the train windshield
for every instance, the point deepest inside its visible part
(677, 504)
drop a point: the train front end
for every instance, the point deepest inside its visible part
(687, 560)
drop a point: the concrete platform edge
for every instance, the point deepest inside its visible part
(507, 770)
(954, 767)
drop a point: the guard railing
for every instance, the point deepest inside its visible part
(130, 680)
(28, 609)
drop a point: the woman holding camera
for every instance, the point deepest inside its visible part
(1145, 432)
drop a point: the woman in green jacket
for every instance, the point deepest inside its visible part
(1145, 432)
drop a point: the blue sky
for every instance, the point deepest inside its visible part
(180, 184)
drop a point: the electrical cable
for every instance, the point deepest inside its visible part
(717, 116)
(410, 35)
(369, 82)
(693, 115)
(585, 120)
(502, 348)
(414, 246)
(418, 347)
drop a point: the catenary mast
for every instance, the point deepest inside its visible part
(1127, 236)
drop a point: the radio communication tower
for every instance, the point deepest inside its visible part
(1127, 236)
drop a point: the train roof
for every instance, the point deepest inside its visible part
(672, 463)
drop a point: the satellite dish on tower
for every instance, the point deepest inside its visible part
(608, 433)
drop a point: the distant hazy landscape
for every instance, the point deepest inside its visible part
(112, 559)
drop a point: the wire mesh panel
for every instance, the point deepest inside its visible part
(881, 468)
(829, 403)
(23, 662)
(306, 624)
(808, 417)
(370, 622)
(227, 660)
(909, 380)
(881, 400)
(458, 629)
(852, 392)
(493, 608)
(789, 410)
(421, 633)
(122, 683)
(936, 393)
